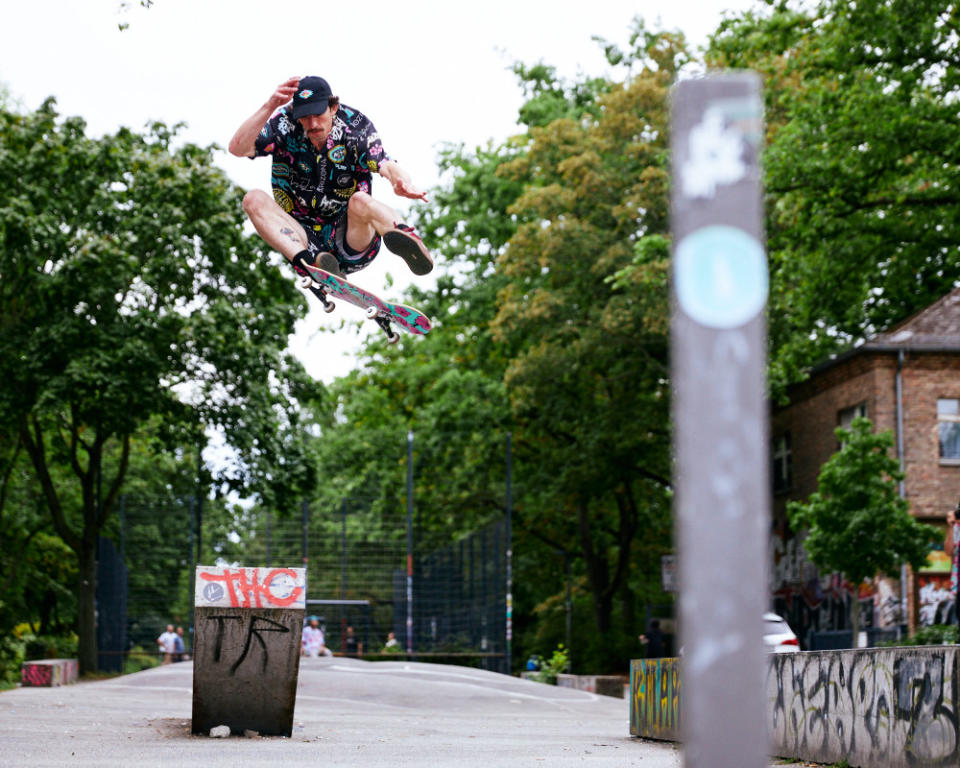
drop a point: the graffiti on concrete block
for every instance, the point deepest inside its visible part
(38, 675)
(888, 707)
(655, 691)
(227, 587)
(257, 625)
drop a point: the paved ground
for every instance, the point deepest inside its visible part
(349, 713)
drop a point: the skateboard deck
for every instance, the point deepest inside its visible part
(327, 287)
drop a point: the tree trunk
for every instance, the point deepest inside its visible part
(86, 606)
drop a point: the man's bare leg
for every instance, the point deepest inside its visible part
(367, 217)
(278, 228)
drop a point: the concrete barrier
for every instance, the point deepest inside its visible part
(880, 707)
(48, 673)
(876, 707)
(247, 623)
(655, 698)
(605, 685)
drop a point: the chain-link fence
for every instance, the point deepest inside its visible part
(358, 563)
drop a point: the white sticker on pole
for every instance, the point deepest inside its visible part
(227, 587)
(720, 276)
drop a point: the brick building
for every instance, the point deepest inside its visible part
(906, 380)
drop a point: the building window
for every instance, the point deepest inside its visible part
(948, 422)
(847, 415)
(782, 464)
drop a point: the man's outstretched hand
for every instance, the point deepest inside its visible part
(403, 188)
(401, 182)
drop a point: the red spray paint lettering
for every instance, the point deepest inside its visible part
(252, 593)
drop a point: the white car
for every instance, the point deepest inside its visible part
(777, 635)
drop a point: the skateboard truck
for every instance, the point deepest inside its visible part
(307, 283)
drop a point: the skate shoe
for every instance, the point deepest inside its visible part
(405, 242)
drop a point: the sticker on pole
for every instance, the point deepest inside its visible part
(226, 587)
(720, 276)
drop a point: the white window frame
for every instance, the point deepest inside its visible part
(782, 450)
(947, 418)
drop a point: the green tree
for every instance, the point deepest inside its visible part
(861, 164)
(128, 291)
(583, 320)
(858, 523)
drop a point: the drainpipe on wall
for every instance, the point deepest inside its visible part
(902, 487)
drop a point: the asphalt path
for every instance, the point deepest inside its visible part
(349, 713)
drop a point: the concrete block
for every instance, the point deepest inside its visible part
(48, 673)
(655, 691)
(882, 707)
(247, 625)
(604, 685)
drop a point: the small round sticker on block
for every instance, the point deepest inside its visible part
(720, 276)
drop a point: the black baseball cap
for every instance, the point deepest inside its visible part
(312, 97)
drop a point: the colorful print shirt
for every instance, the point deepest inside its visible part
(312, 185)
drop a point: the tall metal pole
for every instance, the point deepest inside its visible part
(199, 502)
(718, 345)
(568, 609)
(305, 514)
(268, 538)
(343, 548)
(509, 553)
(193, 561)
(410, 542)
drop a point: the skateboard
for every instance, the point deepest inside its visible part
(326, 287)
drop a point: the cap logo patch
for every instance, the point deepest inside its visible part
(305, 94)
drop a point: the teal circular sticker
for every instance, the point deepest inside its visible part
(720, 276)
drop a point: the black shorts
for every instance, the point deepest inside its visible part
(331, 235)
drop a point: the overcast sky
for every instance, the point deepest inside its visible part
(425, 73)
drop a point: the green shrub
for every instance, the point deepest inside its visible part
(12, 655)
(50, 647)
(138, 659)
(557, 664)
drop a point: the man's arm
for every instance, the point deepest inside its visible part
(400, 181)
(948, 540)
(243, 143)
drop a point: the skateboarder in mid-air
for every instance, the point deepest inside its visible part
(324, 155)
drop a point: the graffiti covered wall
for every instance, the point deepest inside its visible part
(883, 708)
(655, 698)
(893, 707)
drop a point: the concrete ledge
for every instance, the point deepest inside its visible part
(48, 673)
(877, 707)
(605, 685)
(882, 707)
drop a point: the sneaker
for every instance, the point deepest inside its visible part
(404, 242)
(328, 263)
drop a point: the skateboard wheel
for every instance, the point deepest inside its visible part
(329, 306)
(393, 338)
(305, 281)
(370, 312)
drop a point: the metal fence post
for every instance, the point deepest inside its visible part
(410, 542)
(720, 416)
(509, 553)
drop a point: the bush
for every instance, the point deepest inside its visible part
(12, 655)
(50, 647)
(138, 659)
(937, 634)
(557, 664)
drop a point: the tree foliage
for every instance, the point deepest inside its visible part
(858, 523)
(861, 165)
(128, 292)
